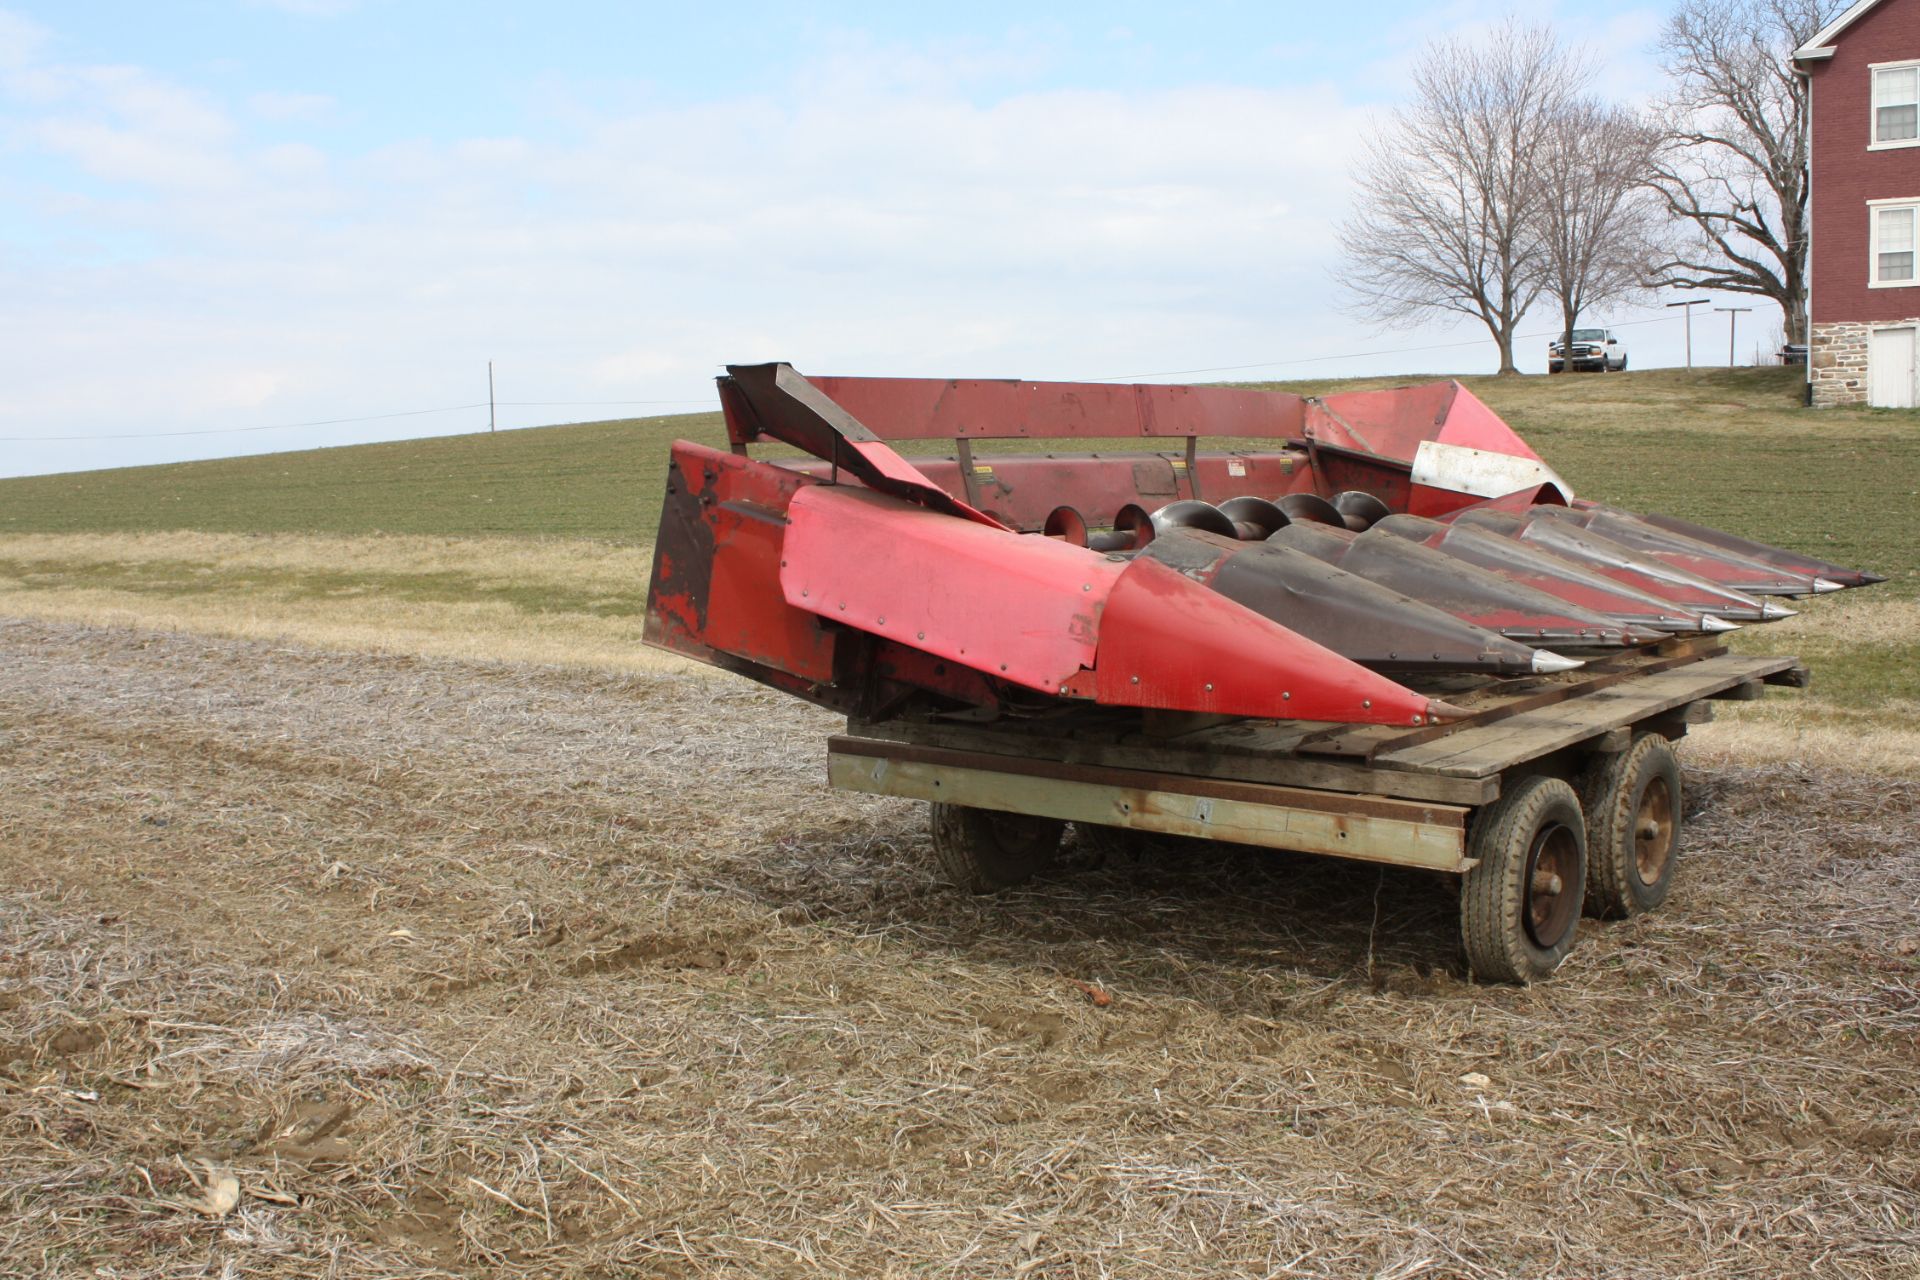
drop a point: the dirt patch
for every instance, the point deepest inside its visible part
(498, 970)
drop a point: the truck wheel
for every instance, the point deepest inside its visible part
(1633, 802)
(982, 850)
(1520, 903)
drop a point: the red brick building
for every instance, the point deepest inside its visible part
(1864, 333)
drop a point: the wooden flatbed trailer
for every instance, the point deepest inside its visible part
(1556, 794)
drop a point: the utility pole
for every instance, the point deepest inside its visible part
(1697, 302)
(1733, 323)
(492, 425)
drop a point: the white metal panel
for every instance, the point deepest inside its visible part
(1891, 369)
(1482, 473)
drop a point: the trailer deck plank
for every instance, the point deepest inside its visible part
(1461, 768)
(1486, 750)
(1370, 829)
(1263, 757)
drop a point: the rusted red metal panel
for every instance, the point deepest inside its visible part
(1393, 424)
(1063, 620)
(716, 566)
(1023, 608)
(963, 408)
(1169, 644)
(1022, 490)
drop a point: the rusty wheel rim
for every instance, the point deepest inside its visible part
(1653, 831)
(1553, 886)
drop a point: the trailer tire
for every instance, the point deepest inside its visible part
(1520, 902)
(1633, 804)
(983, 850)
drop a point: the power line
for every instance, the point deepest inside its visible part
(331, 422)
(542, 404)
(556, 404)
(1348, 355)
(274, 426)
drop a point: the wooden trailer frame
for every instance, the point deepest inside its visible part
(1369, 793)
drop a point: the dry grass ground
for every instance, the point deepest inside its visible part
(464, 968)
(557, 601)
(571, 602)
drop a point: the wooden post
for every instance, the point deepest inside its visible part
(1688, 313)
(1733, 323)
(492, 424)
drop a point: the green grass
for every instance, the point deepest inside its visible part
(1730, 448)
(593, 480)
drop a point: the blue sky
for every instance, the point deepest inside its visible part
(220, 214)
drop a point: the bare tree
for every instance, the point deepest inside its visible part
(1595, 222)
(1448, 189)
(1732, 167)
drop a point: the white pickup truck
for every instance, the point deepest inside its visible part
(1595, 349)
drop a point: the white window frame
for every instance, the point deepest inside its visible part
(1873, 113)
(1873, 242)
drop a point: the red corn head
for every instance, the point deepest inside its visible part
(1742, 573)
(1792, 561)
(1624, 564)
(1570, 580)
(1061, 619)
(1360, 620)
(1469, 593)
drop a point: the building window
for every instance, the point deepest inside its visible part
(1895, 227)
(1896, 105)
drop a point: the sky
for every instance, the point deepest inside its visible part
(222, 217)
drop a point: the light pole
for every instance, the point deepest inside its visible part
(1697, 302)
(1733, 322)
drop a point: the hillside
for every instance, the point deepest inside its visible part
(534, 545)
(591, 480)
(1730, 447)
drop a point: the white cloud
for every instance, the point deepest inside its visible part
(291, 106)
(855, 221)
(21, 40)
(309, 8)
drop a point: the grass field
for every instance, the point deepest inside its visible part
(1731, 448)
(532, 545)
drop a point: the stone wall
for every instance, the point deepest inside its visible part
(1837, 362)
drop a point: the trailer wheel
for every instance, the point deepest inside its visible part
(982, 850)
(1520, 903)
(1633, 805)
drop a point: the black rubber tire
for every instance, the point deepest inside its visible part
(1630, 869)
(1536, 821)
(983, 850)
(1623, 365)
